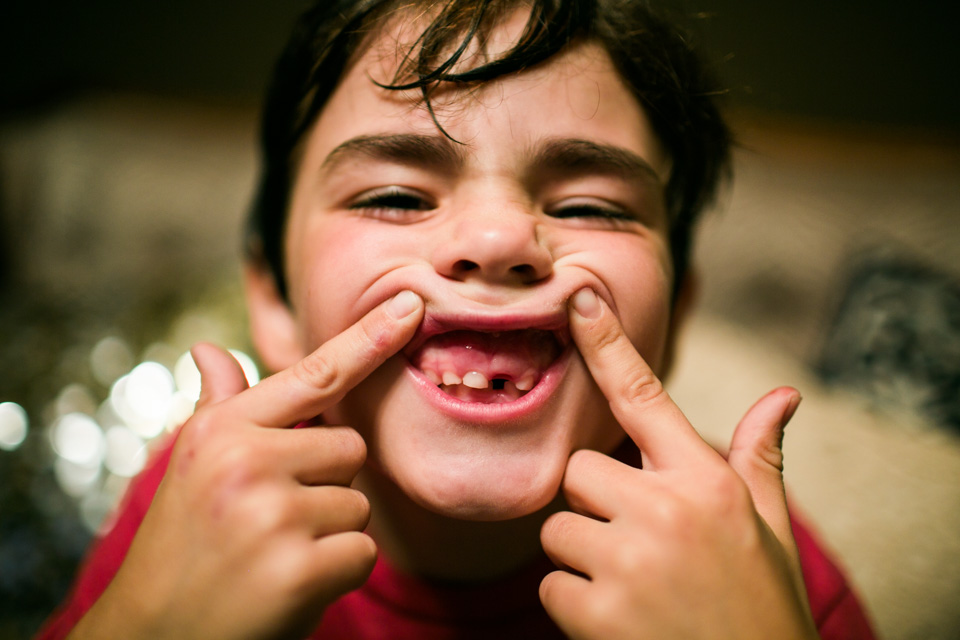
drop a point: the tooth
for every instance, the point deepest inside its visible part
(475, 380)
(449, 377)
(526, 382)
(433, 377)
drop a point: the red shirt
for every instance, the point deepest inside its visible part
(401, 607)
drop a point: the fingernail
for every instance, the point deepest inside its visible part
(403, 304)
(586, 303)
(790, 410)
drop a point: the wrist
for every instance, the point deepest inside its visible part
(113, 616)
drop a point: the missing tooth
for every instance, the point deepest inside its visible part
(498, 383)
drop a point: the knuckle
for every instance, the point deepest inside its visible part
(288, 572)
(582, 461)
(342, 450)
(772, 456)
(762, 459)
(548, 590)
(320, 372)
(353, 448)
(237, 455)
(359, 507)
(601, 609)
(356, 562)
(641, 386)
(367, 551)
(555, 527)
(606, 336)
(673, 516)
(262, 515)
(630, 559)
(235, 464)
(361, 552)
(199, 429)
(728, 495)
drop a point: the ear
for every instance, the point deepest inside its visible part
(682, 309)
(273, 327)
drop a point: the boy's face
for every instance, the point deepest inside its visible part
(558, 185)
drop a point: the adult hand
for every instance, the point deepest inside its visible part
(690, 546)
(254, 529)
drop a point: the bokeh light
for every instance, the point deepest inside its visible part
(75, 480)
(249, 367)
(76, 437)
(14, 426)
(109, 359)
(75, 398)
(100, 444)
(146, 397)
(187, 376)
(126, 452)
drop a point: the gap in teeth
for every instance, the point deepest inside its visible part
(466, 361)
(477, 380)
(503, 390)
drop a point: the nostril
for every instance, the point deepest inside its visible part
(525, 270)
(462, 266)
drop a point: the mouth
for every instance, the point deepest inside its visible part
(487, 367)
(490, 367)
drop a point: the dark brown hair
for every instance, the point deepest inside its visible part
(652, 55)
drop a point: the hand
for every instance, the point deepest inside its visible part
(691, 545)
(254, 529)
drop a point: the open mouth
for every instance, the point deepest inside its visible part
(487, 367)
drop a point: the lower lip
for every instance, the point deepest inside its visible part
(493, 413)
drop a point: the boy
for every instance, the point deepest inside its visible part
(469, 247)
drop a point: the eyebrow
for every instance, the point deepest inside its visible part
(573, 155)
(553, 156)
(435, 152)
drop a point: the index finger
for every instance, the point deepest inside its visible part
(635, 393)
(321, 379)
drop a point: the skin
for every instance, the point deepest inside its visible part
(690, 532)
(254, 529)
(507, 208)
(278, 514)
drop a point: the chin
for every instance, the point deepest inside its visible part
(501, 487)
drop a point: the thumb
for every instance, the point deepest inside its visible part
(220, 374)
(756, 454)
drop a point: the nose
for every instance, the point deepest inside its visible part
(502, 247)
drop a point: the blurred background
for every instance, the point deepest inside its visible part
(127, 158)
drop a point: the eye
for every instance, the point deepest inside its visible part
(391, 203)
(590, 208)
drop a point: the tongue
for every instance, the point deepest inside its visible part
(510, 355)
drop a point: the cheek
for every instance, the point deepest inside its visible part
(326, 278)
(335, 265)
(641, 291)
(639, 277)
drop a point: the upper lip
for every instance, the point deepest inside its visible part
(435, 323)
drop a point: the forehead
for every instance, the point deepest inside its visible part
(577, 94)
